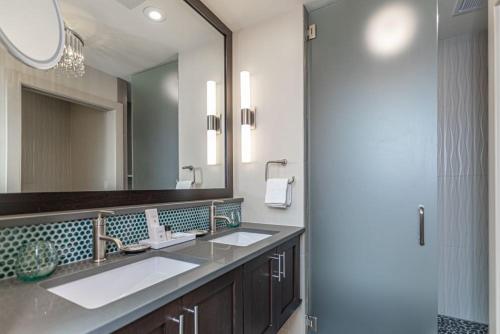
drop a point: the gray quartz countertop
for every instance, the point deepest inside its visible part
(30, 308)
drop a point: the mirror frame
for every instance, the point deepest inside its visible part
(44, 202)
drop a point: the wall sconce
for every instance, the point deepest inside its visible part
(247, 118)
(213, 123)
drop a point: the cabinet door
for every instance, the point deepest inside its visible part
(259, 290)
(216, 307)
(156, 322)
(288, 295)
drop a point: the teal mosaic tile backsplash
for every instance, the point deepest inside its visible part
(73, 239)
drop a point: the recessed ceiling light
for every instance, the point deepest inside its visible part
(154, 14)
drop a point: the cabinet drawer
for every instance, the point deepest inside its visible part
(156, 322)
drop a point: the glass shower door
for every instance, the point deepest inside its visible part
(372, 167)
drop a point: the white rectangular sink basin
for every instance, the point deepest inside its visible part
(241, 238)
(106, 287)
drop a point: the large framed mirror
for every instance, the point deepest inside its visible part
(137, 110)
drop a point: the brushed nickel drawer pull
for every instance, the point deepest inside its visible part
(277, 257)
(179, 321)
(284, 263)
(194, 311)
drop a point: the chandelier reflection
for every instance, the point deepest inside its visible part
(72, 60)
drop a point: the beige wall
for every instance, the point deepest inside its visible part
(272, 51)
(68, 147)
(96, 88)
(46, 146)
(95, 142)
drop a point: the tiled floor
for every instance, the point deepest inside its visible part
(449, 325)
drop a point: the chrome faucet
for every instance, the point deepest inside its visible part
(214, 217)
(100, 238)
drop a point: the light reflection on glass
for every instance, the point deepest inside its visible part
(391, 29)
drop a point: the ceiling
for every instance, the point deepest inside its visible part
(120, 40)
(450, 25)
(238, 14)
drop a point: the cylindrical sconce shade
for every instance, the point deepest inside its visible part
(245, 90)
(246, 123)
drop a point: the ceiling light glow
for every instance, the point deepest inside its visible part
(154, 14)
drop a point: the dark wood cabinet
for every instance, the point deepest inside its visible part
(216, 307)
(271, 288)
(289, 290)
(161, 321)
(255, 298)
(259, 293)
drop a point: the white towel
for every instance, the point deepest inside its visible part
(184, 184)
(278, 193)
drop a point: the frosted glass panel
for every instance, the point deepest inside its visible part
(373, 149)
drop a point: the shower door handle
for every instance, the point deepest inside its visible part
(421, 222)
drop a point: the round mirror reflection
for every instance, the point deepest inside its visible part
(33, 31)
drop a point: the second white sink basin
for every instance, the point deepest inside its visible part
(241, 238)
(103, 288)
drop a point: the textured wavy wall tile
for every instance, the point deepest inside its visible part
(462, 181)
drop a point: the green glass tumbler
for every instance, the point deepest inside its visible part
(235, 217)
(36, 260)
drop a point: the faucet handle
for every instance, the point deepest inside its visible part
(105, 212)
(101, 214)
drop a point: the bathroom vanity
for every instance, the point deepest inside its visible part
(232, 289)
(253, 298)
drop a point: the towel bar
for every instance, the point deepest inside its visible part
(282, 162)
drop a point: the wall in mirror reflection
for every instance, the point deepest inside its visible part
(132, 121)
